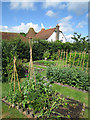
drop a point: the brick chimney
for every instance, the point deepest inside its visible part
(42, 29)
(57, 32)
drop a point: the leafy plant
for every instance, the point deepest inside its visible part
(71, 76)
(40, 97)
(46, 55)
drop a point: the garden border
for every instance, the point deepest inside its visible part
(29, 113)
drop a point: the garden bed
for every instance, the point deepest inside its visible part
(74, 109)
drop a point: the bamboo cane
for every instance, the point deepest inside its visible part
(57, 63)
(61, 57)
(79, 59)
(11, 82)
(74, 58)
(83, 60)
(31, 68)
(70, 58)
(66, 56)
(18, 81)
(14, 73)
(87, 67)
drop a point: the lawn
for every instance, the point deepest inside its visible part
(67, 92)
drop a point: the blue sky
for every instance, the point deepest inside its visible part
(20, 16)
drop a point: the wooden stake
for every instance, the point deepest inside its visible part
(66, 56)
(70, 57)
(87, 66)
(83, 59)
(31, 68)
(79, 59)
(74, 58)
(18, 81)
(14, 73)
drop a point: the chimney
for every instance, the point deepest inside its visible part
(57, 32)
(42, 29)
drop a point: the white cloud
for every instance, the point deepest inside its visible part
(42, 26)
(78, 7)
(81, 24)
(50, 4)
(62, 6)
(21, 28)
(50, 13)
(24, 4)
(69, 39)
(65, 24)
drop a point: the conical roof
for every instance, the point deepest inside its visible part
(31, 33)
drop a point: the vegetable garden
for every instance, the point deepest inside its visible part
(35, 96)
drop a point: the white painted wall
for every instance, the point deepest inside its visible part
(53, 37)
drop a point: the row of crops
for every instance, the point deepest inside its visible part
(74, 58)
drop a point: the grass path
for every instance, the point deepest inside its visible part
(72, 93)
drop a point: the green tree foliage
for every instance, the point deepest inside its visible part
(81, 43)
(9, 50)
(46, 54)
(23, 34)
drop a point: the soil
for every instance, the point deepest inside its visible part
(73, 109)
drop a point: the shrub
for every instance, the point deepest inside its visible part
(46, 55)
(71, 76)
(9, 50)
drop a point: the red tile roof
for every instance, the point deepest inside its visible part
(9, 36)
(45, 34)
(31, 33)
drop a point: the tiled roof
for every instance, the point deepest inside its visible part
(8, 36)
(45, 34)
(31, 33)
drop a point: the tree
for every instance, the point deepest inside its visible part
(81, 43)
